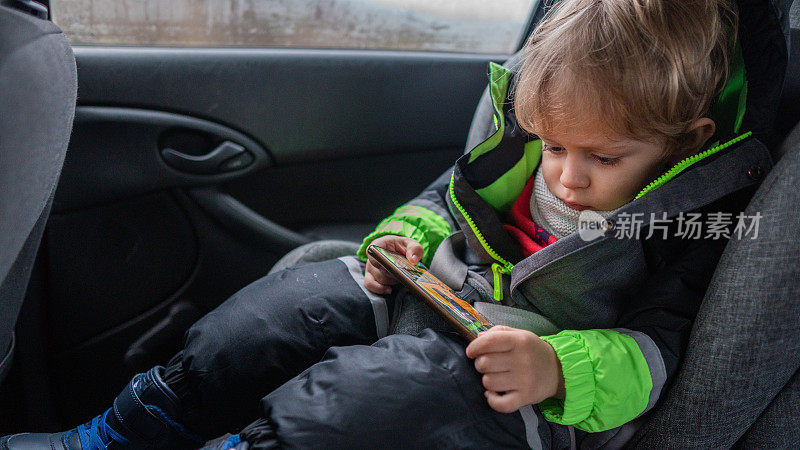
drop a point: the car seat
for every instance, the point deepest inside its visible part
(38, 85)
(739, 382)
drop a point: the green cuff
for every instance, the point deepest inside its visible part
(579, 382)
(415, 222)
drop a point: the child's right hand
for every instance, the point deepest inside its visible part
(376, 278)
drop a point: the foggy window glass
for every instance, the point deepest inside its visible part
(445, 25)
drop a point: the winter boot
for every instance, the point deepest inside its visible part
(143, 416)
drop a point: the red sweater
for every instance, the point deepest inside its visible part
(530, 237)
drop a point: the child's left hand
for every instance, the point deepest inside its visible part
(517, 363)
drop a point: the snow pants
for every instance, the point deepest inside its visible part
(307, 349)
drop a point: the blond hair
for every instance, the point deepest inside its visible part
(644, 68)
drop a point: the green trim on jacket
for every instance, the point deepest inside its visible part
(729, 108)
(507, 266)
(415, 222)
(505, 190)
(682, 165)
(606, 379)
(499, 78)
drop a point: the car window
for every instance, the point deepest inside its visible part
(445, 25)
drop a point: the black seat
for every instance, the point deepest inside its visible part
(38, 85)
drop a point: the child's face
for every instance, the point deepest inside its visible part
(589, 167)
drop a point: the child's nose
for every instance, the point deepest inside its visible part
(572, 175)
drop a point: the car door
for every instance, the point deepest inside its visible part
(211, 138)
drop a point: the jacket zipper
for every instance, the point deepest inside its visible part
(501, 266)
(679, 167)
(498, 270)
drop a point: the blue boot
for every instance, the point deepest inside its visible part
(143, 416)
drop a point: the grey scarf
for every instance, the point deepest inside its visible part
(551, 213)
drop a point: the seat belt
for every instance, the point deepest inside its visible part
(449, 268)
(446, 264)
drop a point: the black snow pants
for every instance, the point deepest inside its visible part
(307, 350)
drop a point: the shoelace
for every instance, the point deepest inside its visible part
(97, 435)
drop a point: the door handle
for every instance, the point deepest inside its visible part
(226, 157)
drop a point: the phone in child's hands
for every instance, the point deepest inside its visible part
(416, 277)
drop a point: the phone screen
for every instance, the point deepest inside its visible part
(443, 298)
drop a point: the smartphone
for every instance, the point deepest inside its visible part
(416, 277)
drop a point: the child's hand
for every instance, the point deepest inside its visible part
(517, 363)
(376, 278)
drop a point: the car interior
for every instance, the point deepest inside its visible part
(142, 186)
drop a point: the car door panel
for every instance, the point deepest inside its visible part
(117, 153)
(302, 105)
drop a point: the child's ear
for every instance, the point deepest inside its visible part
(699, 132)
(691, 142)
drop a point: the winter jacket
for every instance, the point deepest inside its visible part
(625, 302)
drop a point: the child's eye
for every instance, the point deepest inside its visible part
(606, 161)
(550, 148)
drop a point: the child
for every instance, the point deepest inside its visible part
(610, 95)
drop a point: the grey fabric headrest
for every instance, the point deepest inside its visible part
(38, 85)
